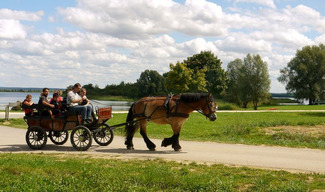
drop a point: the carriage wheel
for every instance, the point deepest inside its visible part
(59, 137)
(81, 138)
(36, 137)
(105, 136)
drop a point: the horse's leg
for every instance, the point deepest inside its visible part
(143, 131)
(173, 140)
(176, 146)
(130, 134)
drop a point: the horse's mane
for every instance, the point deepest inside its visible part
(192, 97)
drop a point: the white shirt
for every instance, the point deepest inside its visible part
(72, 96)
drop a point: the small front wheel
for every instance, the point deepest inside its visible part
(36, 137)
(59, 137)
(81, 138)
(104, 136)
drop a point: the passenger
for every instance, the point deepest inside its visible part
(73, 102)
(44, 102)
(28, 102)
(57, 105)
(84, 98)
(59, 99)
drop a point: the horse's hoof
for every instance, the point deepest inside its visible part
(130, 147)
(177, 148)
(151, 147)
(164, 143)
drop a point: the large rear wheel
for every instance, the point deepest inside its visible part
(59, 137)
(104, 136)
(36, 137)
(81, 138)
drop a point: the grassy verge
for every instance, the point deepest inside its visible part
(18, 123)
(289, 107)
(39, 172)
(245, 128)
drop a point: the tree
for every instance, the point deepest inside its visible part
(234, 92)
(248, 81)
(304, 74)
(180, 79)
(151, 83)
(215, 76)
(256, 75)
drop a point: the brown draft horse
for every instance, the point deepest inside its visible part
(173, 110)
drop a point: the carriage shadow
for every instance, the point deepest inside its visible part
(25, 148)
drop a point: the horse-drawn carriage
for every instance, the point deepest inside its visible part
(173, 110)
(40, 127)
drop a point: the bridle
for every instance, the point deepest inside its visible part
(208, 100)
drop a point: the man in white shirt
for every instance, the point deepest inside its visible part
(73, 102)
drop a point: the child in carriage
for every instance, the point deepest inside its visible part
(84, 98)
(57, 104)
(28, 102)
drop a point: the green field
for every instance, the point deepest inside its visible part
(40, 172)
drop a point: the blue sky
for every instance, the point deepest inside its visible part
(57, 43)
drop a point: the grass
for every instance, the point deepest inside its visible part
(18, 123)
(40, 172)
(244, 128)
(290, 107)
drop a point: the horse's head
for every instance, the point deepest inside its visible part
(210, 108)
(201, 102)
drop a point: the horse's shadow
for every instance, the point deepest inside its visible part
(94, 148)
(137, 151)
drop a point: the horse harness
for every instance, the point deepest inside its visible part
(166, 106)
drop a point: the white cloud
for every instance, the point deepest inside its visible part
(143, 18)
(21, 15)
(269, 3)
(11, 29)
(303, 16)
(320, 39)
(242, 43)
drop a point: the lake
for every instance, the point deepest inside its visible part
(12, 97)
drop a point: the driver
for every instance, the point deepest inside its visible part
(74, 100)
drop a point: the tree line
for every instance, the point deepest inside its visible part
(244, 81)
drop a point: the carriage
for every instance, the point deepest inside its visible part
(42, 127)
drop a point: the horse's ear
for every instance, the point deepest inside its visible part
(210, 94)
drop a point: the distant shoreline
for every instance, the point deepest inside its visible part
(25, 89)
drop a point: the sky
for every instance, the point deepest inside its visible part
(46, 43)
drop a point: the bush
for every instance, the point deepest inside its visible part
(227, 106)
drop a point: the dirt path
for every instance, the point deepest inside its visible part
(291, 159)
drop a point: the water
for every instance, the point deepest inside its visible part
(12, 97)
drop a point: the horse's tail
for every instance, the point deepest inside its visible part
(129, 127)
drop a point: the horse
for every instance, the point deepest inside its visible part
(172, 109)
